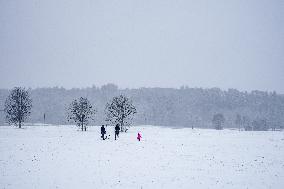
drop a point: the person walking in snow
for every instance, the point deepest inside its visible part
(139, 136)
(103, 132)
(117, 129)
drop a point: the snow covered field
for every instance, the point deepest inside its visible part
(62, 157)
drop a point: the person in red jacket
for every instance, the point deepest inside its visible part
(139, 136)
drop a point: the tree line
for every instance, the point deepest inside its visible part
(119, 111)
(183, 107)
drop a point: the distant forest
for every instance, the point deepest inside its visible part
(183, 107)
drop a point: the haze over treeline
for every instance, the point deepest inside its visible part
(161, 43)
(183, 107)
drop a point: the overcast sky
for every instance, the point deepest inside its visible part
(156, 43)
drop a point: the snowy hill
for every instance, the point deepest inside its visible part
(62, 157)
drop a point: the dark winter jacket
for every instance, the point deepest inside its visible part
(117, 128)
(103, 130)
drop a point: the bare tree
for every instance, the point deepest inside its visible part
(120, 111)
(218, 121)
(260, 125)
(247, 123)
(239, 121)
(80, 111)
(18, 106)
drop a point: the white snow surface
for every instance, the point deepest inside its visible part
(64, 157)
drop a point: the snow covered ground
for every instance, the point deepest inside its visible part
(62, 157)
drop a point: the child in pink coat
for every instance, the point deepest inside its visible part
(139, 137)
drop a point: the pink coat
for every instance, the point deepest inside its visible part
(139, 136)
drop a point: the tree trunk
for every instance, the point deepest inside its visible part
(122, 125)
(20, 124)
(82, 126)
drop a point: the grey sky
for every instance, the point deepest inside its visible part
(227, 44)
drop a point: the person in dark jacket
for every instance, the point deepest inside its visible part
(117, 129)
(103, 132)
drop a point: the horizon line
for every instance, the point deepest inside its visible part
(182, 87)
